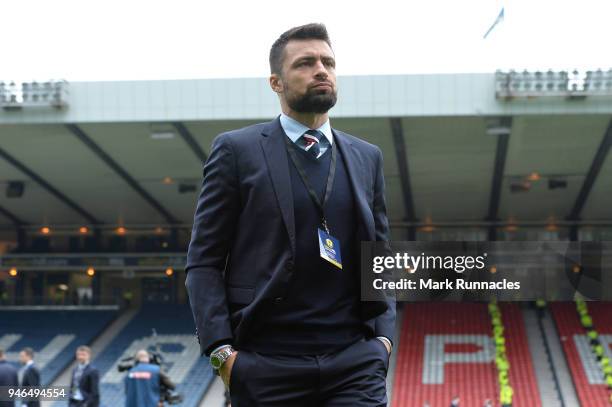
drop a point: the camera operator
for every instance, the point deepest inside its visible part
(144, 381)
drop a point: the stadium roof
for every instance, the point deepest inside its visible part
(119, 152)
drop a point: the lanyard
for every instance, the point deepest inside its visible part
(329, 184)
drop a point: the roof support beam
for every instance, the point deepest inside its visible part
(589, 180)
(402, 165)
(498, 173)
(104, 156)
(19, 223)
(14, 218)
(50, 188)
(191, 141)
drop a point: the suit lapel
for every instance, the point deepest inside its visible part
(275, 152)
(354, 167)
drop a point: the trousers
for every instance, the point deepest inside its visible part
(352, 377)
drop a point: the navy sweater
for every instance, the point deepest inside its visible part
(321, 311)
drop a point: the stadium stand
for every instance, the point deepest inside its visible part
(446, 350)
(53, 334)
(522, 371)
(586, 374)
(182, 362)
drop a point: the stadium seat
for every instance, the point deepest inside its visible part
(586, 374)
(177, 343)
(522, 373)
(54, 335)
(446, 349)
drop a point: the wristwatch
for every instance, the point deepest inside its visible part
(218, 357)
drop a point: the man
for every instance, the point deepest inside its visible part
(143, 382)
(273, 264)
(85, 381)
(8, 377)
(30, 376)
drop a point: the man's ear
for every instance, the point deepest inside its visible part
(276, 83)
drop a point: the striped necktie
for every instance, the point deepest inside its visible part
(310, 141)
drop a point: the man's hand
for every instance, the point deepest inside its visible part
(226, 370)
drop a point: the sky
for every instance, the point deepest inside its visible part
(110, 40)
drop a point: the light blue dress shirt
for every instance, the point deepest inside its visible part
(77, 375)
(295, 130)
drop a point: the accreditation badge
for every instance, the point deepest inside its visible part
(329, 248)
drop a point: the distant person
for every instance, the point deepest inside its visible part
(488, 403)
(8, 377)
(143, 382)
(85, 381)
(29, 374)
(455, 401)
(128, 296)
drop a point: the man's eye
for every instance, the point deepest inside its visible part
(329, 62)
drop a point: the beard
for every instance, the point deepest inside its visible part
(313, 101)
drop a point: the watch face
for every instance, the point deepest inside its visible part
(215, 362)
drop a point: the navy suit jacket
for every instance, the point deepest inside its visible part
(88, 385)
(31, 377)
(8, 377)
(242, 246)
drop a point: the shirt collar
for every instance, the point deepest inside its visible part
(295, 129)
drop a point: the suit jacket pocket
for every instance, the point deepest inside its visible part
(240, 295)
(234, 372)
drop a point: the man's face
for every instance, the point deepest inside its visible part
(308, 79)
(82, 356)
(23, 358)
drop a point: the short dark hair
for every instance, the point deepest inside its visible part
(313, 31)
(84, 348)
(28, 351)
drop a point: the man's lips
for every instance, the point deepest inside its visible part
(322, 85)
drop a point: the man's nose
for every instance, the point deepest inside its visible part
(320, 70)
